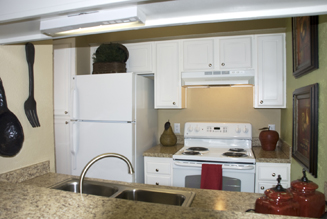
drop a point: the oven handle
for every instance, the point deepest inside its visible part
(246, 167)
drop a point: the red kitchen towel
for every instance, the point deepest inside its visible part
(212, 176)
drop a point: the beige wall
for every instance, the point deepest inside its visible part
(317, 76)
(221, 104)
(38, 144)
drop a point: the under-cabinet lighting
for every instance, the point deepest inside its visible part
(93, 22)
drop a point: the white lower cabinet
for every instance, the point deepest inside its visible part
(267, 174)
(62, 149)
(158, 171)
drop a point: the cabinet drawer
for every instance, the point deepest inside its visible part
(262, 187)
(158, 180)
(160, 168)
(272, 172)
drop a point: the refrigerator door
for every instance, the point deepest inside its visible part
(94, 138)
(108, 97)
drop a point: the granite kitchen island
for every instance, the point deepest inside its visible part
(33, 199)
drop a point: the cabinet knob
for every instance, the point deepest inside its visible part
(157, 170)
(174, 103)
(274, 174)
(262, 187)
(157, 183)
(66, 122)
(261, 101)
(210, 65)
(222, 64)
(66, 112)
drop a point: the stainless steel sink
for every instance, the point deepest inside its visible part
(160, 195)
(89, 187)
(168, 197)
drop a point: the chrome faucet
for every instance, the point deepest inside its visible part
(99, 157)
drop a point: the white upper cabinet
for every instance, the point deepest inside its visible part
(198, 54)
(270, 85)
(64, 68)
(167, 77)
(141, 57)
(235, 52)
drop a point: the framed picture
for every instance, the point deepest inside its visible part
(305, 45)
(305, 127)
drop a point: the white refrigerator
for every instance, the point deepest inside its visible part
(112, 113)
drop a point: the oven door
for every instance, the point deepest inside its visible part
(236, 177)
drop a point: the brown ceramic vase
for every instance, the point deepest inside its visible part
(312, 202)
(268, 139)
(278, 201)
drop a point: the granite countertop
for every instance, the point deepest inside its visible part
(280, 155)
(31, 199)
(162, 151)
(276, 156)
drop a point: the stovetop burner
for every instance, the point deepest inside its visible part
(191, 153)
(237, 150)
(197, 149)
(234, 154)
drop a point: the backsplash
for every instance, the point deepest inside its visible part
(26, 173)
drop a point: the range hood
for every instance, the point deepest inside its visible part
(92, 21)
(218, 77)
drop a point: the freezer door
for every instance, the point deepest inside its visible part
(104, 97)
(92, 139)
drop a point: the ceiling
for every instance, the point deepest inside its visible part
(20, 20)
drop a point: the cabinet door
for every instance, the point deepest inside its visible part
(270, 81)
(61, 134)
(140, 58)
(198, 55)
(64, 68)
(168, 77)
(235, 53)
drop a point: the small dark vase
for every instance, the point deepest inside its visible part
(268, 139)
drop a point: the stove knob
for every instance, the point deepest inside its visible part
(245, 130)
(197, 128)
(190, 128)
(238, 130)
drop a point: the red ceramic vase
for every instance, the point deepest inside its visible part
(277, 201)
(268, 139)
(312, 202)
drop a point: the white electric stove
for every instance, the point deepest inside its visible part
(227, 144)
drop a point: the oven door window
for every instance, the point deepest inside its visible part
(229, 183)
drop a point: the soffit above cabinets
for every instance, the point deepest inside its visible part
(20, 20)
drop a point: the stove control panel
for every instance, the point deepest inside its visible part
(218, 130)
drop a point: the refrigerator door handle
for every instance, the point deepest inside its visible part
(74, 142)
(75, 102)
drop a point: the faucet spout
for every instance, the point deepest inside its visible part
(99, 157)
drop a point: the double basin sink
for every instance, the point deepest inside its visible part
(113, 190)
